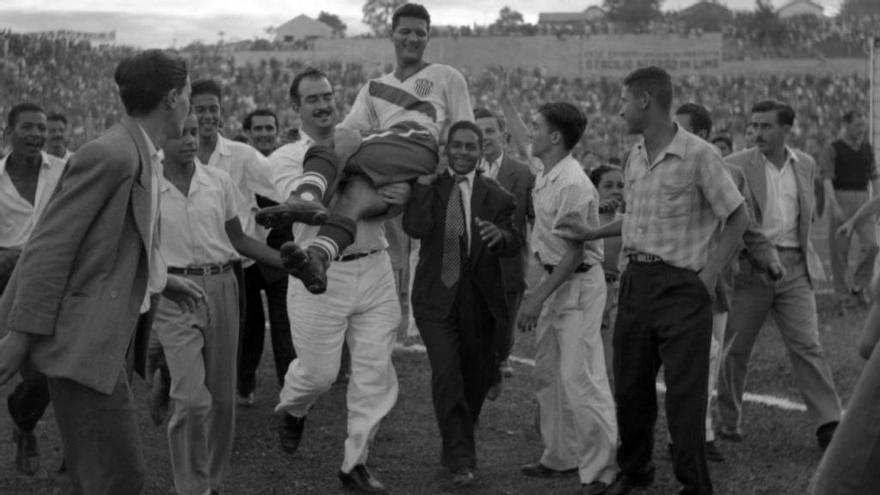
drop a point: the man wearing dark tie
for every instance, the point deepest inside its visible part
(464, 222)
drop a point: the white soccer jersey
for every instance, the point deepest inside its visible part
(433, 97)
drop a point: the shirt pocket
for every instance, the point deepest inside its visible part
(675, 199)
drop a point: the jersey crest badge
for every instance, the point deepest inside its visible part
(423, 87)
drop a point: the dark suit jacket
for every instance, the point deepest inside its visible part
(751, 162)
(517, 178)
(425, 219)
(81, 279)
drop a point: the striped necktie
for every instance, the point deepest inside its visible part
(450, 269)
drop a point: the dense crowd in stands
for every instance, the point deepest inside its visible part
(76, 80)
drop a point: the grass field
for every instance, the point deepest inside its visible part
(778, 456)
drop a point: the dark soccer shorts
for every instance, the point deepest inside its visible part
(398, 154)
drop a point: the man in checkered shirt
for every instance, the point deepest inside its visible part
(683, 221)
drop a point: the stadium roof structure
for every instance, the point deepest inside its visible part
(302, 27)
(592, 12)
(800, 7)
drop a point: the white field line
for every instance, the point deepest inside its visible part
(765, 400)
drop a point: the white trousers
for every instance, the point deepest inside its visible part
(361, 308)
(577, 416)
(719, 323)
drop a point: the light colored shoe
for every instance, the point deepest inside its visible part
(246, 400)
(506, 369)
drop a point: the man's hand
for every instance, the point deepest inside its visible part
(710, 280)
(427, 180)
(776, 271)
(396, 194)
(490, 233)
(187, 294)
(846, 229)
(13, 351)
(529, 311)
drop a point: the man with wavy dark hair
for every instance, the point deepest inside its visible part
(79, 298)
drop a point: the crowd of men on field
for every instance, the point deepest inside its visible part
(146, 251)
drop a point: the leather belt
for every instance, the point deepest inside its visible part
(582, 268)
(645, 258)
(356, 256)
(211, 269)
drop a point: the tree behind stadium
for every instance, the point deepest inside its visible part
(633, 12)
(377, 15)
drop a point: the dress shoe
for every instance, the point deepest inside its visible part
(290, 432)
(625, 485)
(824, 434)
(246, 400)
(294, 210)
(309, 265)
(462, 477)
(712, 452)
(594, 488)
(361, 481)
(731, 435)
(159, 398)
(538, 470)
(506, 369)
(27, 456)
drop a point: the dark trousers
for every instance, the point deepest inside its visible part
(253, 332)
(29, 400)
(664, 318)
(102, 443)
(463, 368)
(514, 298)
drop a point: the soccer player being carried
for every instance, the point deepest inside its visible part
(391, 135)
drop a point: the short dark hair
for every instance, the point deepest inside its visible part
(260, 112)
(466, 125)
(307, 73)
(850, 116)
(485, 113)
(146, 77)
(700, 118)
(12, 117)
(207, 87)
(784, 112)
(566, 118)
(597, 173)
(654, 81)
(410, 10)
(56, 117)
(723, 139)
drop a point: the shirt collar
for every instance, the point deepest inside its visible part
(493, 164)
(470, 176)
(222, 146)
(677, 147)
(46, 162)
(790, 158)
(199, 177)
(152, 151)
(558, 169)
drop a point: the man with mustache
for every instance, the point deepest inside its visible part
(201, 236)
(56, 145)
(79, 300)
(780, 181)
(27, 179)
(404, 113)
(361, 306)
(250, 173)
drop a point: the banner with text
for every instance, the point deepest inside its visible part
(618, 55)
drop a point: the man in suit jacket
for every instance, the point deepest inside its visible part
(84, 280)
(780, 194)
(464, 222)
(517, 178)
